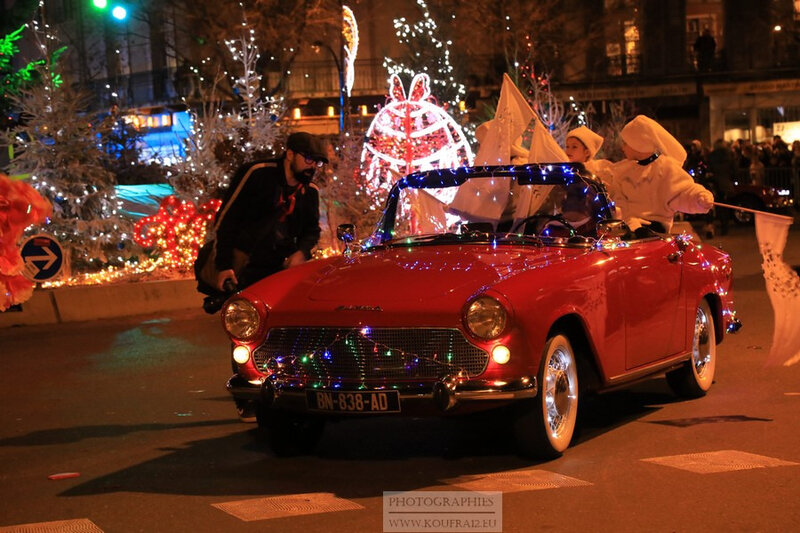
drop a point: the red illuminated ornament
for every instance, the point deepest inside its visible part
(176, 231)
(411, 134)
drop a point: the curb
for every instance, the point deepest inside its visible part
(92, 302)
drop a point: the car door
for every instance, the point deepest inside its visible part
(652, 298)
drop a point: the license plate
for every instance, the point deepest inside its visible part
(354, 402)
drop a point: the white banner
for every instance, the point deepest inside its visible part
(783, 287)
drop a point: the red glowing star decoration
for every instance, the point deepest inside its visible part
(177, 231)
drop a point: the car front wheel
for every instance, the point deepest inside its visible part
(289, 434)
(695, 378)
(544, 425)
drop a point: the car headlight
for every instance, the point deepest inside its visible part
(241, 319)
(485, 317)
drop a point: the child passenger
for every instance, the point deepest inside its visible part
(650, 185)
(582, 146)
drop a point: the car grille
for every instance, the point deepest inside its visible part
(376, 353)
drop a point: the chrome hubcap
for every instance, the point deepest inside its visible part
(560, 394)
(701, 353)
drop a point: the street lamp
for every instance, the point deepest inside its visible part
(340, 70)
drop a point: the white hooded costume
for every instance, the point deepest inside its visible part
(592, 141)
(655, 188)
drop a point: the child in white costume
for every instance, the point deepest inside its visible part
(649, 185)
(581, 146)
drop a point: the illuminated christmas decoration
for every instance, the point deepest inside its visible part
(557, 116)
(350, 34)
(177, 231)
(60, 147)
(428, 55)
(409, 135)
(219, 140)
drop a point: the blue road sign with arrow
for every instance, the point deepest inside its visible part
(43, 258)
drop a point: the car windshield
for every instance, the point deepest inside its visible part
(517, 204)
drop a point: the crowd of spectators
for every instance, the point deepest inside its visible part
(749, 159)
(755, 158)
(726, 163)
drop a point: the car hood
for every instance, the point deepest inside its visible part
(429, 272)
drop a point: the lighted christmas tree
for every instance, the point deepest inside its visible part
(59, 146)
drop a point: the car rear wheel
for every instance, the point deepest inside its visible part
(289, 434)
(695, 378)
(544, 425)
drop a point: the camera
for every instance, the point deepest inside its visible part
(212, 304)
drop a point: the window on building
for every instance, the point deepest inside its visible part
(632, 52)
(614, 59)
(695, 26)
(796, 9)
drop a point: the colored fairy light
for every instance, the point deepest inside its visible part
(177, 231)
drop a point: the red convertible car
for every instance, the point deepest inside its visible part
(525, 297)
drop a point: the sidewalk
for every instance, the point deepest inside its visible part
(91, 302)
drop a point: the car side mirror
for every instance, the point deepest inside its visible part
(347, 234)
(614, 229)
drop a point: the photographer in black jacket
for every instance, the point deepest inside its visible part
(274, 217)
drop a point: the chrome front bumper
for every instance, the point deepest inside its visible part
(444, 394)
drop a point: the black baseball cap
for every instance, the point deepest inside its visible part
(308, 145)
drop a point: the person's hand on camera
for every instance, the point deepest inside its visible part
(295, 259)
(226, 275)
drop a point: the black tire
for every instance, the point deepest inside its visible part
(289, 434)
(694, 379)
(545, 425)
(246, 409)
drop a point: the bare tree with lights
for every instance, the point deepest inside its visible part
(284, 29)
(343, 194)
(223, 138)
(428, 53)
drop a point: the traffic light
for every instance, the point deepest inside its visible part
(118, 11)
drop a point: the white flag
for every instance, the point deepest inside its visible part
(486, 199)
(783, 287)
(544, 149)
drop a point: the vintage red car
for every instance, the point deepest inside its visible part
(441, 310)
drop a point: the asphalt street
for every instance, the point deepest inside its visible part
(135, 413)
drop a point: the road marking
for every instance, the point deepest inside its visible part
(81, 525)
(720, 461)
(516, 481)
(283, 506)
